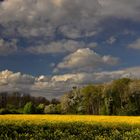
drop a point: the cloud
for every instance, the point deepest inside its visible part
(62, 46)
(86, 78)
(10, 81)
(98, 77)
(73, 18)
(36, 18)
(123, 9)
(135, 44)
(111, 40)
(7, 77)
(57, 85)
(70, 19)
(36, 86)
(86, 59)
(8, 47)
(56, 26)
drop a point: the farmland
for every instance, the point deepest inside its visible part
(69, 127)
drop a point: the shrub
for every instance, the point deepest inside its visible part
(53, 109)
(40, 109)
(4, 111)
(66, 131)
(29, 108)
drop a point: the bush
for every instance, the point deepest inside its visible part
(4, 111)
(9, 111)
(29, 108)
(67, 131)
(40, 109)
(53, 109)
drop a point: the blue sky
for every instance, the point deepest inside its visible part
(48, 46)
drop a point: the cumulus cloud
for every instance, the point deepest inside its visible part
(57, 85)
(135, 44)
(69, 20)
(85, 78)
(63, 46)
(7, 77)
(8, 47)
(73, 18)
(36, 86)
(86, 59)
(41, 17)
(126, 9)
(10, 81)
(98, 77)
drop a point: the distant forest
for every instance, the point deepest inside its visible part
(119, 97)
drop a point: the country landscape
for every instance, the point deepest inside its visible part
(69, 70)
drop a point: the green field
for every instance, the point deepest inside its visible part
(69, 127)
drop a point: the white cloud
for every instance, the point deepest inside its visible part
(7, 48)
(126, 9)
(37, 86)
(73, 18)
(65, 82)
(135, 44)
(86, 59)
(35, 18)
(59, 47)
(57, 85)
(70, 19)
(110, 60)
(111, 40)
(7, 77)
(85, 78)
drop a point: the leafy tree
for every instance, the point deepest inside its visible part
(92, 99)
(116, 95)
(65, 104)
(29, 108)
(71, 103)
(40, 109)
(53, 109)
(55, 101)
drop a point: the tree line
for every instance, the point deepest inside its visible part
(19, 103)
(119, 97)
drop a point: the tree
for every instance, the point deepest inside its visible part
(116, 95)
(92, 99)
(40, 109)
(29, 108)
(55, 101)
(71, 103)
(65, 104)
(53, 109)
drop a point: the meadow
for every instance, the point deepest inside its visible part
(69, 127)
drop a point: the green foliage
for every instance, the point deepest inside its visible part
(29, 108)
(92, 99)
(53, 109)
(68, 131)
(40, 109)
(119, 97)
(9, 111)
(4, 111)
(71, 103)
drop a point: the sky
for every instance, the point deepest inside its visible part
(49, 46)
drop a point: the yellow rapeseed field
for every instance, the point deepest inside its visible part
(91, 119)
